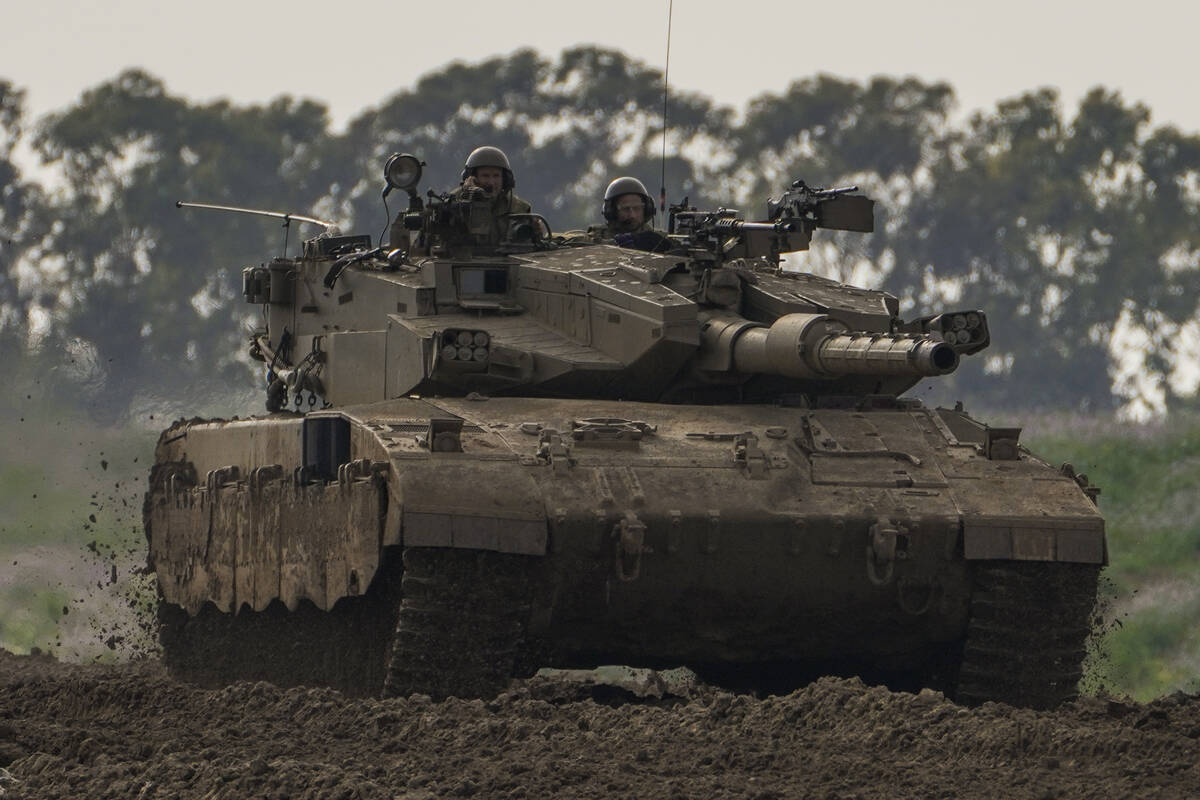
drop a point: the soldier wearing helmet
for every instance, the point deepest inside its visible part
(629, 217)
(488, 175)
(628, 207)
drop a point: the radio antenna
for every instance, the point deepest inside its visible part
(662, 191)
(287, 217)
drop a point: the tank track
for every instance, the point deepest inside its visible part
(345, 648)
(1028, 629)
(452, 625)
(461, 622)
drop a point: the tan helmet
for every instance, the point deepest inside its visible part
(488, 156)
(622, 186)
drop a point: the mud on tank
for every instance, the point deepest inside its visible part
(537, 450)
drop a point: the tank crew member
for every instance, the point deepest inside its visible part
(629, 217)
(488, 172)
(628, 207)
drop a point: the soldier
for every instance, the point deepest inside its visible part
(488, 172)
(628, 207)
(629, 215)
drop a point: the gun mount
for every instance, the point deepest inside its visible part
(507, 443)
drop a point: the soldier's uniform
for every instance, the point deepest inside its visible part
(503, 204)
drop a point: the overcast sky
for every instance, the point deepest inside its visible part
(354, 53)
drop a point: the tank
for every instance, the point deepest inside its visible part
(492, 448)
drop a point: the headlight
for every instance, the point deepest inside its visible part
(402, 171)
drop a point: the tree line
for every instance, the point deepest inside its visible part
(1075, 230)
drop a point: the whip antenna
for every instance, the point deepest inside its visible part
(662, 192)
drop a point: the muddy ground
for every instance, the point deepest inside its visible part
(99, 731)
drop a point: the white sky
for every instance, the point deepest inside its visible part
(350, 54)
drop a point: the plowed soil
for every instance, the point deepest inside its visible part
(129, 730)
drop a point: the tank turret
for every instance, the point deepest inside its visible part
(712, 316)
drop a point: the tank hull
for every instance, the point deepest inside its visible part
(642, 533)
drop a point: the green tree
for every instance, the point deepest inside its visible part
(19, 199)
(829, 132)
(1059, 231)
(150, 292)
(824, 129)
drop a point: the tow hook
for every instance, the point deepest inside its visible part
(630, 533)
(881, 551)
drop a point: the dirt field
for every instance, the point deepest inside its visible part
(131, 731)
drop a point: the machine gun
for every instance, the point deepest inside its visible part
(724, 235)
(835, 209)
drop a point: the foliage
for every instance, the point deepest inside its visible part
(1148, 477)
(18, 200)
(1062, 231)
(29, 616)
(1156, 651)
(147, 290)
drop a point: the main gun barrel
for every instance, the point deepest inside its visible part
(817, 346)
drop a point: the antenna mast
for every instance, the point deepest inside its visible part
(662, 192)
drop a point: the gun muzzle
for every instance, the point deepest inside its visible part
(817, 346)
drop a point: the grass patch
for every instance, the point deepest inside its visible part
(1149, 476)
(70, 516)
(29, 616)
(1156, 651)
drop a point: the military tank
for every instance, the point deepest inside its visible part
(485, 455)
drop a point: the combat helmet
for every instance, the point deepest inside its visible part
(488, 156)
(621, 186)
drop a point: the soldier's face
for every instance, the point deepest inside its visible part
(490, 179)
(630, 210)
